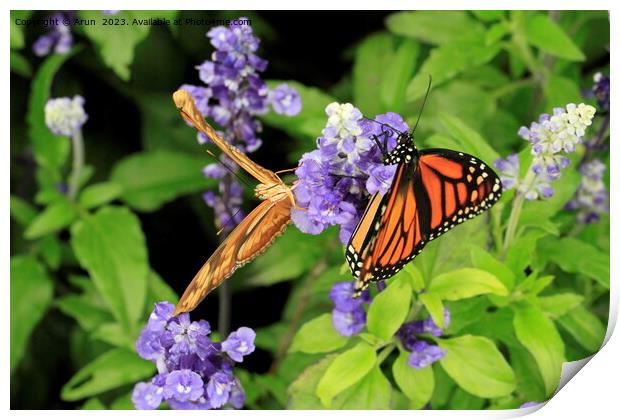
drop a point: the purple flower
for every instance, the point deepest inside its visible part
(601, 90)
(183, 385)
(59, 38)
(349, 323)
(591, 198)
(341, 295)
(285, 100)
(550, 136)
(424, 354)
(147, 396)
(233, 97)
(336, 179)
(219, 388)
(529, 404)
(186, 360)
(239, 343)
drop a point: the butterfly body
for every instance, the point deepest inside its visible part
(432, 191)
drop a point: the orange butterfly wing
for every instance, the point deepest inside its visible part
(248, 240)
(428, 197)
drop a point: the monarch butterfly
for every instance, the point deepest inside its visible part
(255, 233)
(432, 191)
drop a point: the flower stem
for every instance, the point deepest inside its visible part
(302, 302)
(384, 353)
(77, 142)
(515, 214)
(223, 316)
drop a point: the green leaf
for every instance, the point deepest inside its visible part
(470, 140)
(462, 400)
(158, 291)
(432, 26)
(373, 392)
(529, 381)
(575, 256)
(434, 306)
(312, 118)
(519, 254)
(473, 105)
(278, 263)
(98, 194)
(110, 245)
(87, 314)
(449, 60)
(93, 404)
(49, 150)
(477, 366)
(496, 325)
(413, 275)
(340, 374)
(114, 334)
(483, 260)
(585, 327)
(465, 283)
(20, 65)
(547, 35)
(561, 90)
(116, 44)
(111, 370)
(397, 75)
(389, 309)
(51, 251)
(372, 57)
(559, 304)
(489, 15)
(149, 180)
(122, 403)
(302, 390)
(21, 210)
(31, 293)
(538, 334)
(55, 217)
(318, 336)
(416, 384)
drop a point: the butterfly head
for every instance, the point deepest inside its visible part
(405, 151)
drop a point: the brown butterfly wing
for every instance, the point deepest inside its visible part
(185, 103)
(249, 239)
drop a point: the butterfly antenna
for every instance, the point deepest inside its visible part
(229, 169)
(428, 90)
(227, 222)
(385, 124)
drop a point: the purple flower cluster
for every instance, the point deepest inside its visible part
(550, 136)
(194, 372)
(592, 197)
(348, 316)
(336, 178)
(233, 95)
(422, 353)
(59, 38)
(601, 90)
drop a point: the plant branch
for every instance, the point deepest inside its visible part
(77, 142)
(304, 297)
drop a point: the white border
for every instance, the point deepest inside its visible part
(592, 394)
